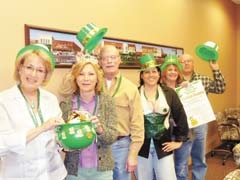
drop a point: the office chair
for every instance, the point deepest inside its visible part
(228, 126)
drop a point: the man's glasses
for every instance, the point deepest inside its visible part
(31, 69)
(112, 58)
(186, 61)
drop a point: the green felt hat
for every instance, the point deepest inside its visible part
(147, 61)
(38, 47)
(90, 36)
(207, 51)
(171, 59)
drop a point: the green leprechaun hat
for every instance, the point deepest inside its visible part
(147, 61)
(90, 36)
(171, 59)
(207, 51)
(37, 47)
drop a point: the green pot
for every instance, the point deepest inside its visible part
(76, 136)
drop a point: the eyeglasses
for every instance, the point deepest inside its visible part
(186, 61)
(31, 69)
(112, 58)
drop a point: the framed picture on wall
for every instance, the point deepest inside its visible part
(64, 45)
(131, 51)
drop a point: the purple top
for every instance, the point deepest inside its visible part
(87, 156)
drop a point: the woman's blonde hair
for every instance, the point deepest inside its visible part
(69, 85)
(31, 53)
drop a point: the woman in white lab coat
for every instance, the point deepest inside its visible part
(28, 117)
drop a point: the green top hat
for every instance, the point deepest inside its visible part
(38, 47)
(207, 51)
(90, 35)
(171, 59)
(147, 62)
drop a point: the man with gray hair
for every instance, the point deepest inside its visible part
(130, 125)
(195, 146)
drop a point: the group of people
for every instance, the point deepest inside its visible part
(140, 130)
(178, 74)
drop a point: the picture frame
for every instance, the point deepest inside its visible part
(62, 43)
(64, 46)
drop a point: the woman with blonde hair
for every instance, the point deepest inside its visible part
(81, 89)
(29, 115)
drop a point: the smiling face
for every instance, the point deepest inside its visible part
(171, 73)
(187, 62)
(32, 72)
(150, 77)
(87, 79)
(110, 61)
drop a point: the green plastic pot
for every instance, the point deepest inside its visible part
(76, 135)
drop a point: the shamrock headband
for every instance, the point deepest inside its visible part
(38, 47)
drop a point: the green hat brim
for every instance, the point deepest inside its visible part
(94, 40)
(164, 65)
(35, 47)
(206, 53)
(148, 68)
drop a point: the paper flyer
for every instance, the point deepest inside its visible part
(196, 104)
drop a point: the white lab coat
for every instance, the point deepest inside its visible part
(37, 160)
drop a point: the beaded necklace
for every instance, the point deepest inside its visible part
(118, 86)
(153, 103)
(31, 108)
(156, 96)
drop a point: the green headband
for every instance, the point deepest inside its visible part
(38, 47)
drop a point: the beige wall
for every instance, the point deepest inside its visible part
(183, 23)
(238, 56)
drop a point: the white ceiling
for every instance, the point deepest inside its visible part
(236, 1)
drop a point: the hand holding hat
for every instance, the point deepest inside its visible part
(207, 51)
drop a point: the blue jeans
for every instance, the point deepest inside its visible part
(91, 173)
(163, 168)
(196, 149)
(120, 151)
